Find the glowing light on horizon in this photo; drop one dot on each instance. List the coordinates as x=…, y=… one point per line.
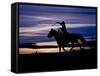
x=46, y=50
x=54, y=43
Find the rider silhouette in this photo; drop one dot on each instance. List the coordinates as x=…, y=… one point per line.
x=64, y=31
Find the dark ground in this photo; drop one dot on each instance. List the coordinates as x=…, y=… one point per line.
x=84, y=59
x=38, y=62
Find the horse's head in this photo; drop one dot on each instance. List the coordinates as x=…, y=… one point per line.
x=51, y=33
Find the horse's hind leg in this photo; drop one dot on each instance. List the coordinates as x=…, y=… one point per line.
x=79, y=46
x=72, y=47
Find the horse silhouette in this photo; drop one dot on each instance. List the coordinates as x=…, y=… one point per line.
x=62, y=40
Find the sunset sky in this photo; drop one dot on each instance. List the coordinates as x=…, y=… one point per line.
x=35, y=22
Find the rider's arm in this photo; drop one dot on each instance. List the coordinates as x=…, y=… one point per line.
x=58, y=22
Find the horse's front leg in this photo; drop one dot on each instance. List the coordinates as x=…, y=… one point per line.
x=59, y=49
x=64, y=48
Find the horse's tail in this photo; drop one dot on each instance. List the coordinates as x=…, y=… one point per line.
x=82, y=38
